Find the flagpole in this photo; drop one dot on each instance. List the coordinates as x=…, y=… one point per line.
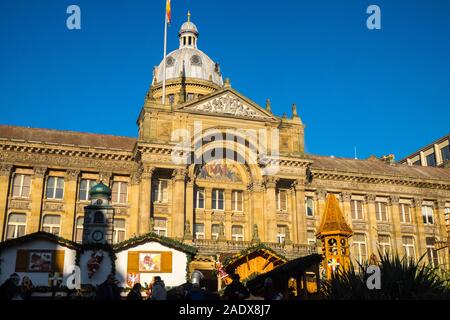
x=164, y=61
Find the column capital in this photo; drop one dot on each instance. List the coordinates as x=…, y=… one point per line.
x=346, y=196
x=440, y=204
x=72, y=174
x=145, y=172
x=256, y=186
x=394, y=200
x=105, y=177
x=179, y=174
x=39, y=172
x=370, y=198
x=417, y=202
x=270, y=181
x=5, y=169
x=299, y=184
x=321, y=194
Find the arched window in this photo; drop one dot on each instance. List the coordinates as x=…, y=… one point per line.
x=17, y=223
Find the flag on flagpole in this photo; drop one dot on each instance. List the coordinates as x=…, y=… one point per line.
x=168, y=12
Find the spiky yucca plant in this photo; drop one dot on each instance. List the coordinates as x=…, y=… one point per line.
x=401, y=279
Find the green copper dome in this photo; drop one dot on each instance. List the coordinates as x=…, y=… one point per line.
x=100, y=189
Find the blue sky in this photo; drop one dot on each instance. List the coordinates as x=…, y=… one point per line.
x=383, y=91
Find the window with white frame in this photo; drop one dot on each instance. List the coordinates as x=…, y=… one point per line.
x=199, y=231
x=360, y=247
x=237, y=233
x=282, y=200
x=55, y=188
x=432, y=253
x=357, y=210
x=21, y=185
x=17, y=223
x=218, y=196
x=281, y=234
x=427, y=214
x=384, y=243
x=161, y=191
x=160, y=226
x=119, y=192
x=119, y=230
x=79, y=229
x=405, y=213
x=237, y=198
x=447, y=217
x=51, y=224
x=215, y=231
x=311, y=237
x=381, y=211
x=85, y=186
x=309, y=204
x=408, y=247
x=200, y=199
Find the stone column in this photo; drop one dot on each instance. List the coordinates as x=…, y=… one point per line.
x=133, y=198
x=420, y=239
x=256, y=194
x=190, y=206
x=347, y=205
x=299, y=212
x=70, y=199
x=442, y=230
x=396, y=242
x=371, y=217
x=178, y=202
x=145, y=198
x=37, y=195
x=5, y=178
x=438, y=155
x=271, y=209
x=321, y=196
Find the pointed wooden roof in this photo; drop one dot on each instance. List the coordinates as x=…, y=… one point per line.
x=333, y=221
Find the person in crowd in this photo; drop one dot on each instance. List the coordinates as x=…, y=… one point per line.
x=135, y=293
x=196, y=293
x=108, y=290
x=236, y=290
x=26, y=288
x=159, y=291
x=10, y=289
x=270, y=293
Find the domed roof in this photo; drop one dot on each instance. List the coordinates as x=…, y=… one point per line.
x=188, y=61
x=100, y=189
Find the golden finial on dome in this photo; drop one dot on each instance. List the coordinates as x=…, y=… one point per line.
x=189, y=16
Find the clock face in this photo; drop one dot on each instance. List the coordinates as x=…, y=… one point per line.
x=99, y=202
x=97, y=235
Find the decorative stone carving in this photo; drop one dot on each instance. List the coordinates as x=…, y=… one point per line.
x=229, y=104
x=255, y=235
x=321, y=194
x=121, y=211
x=299, y=184
x=187, y=231
x=394, y=200
x=255, y=187
x=54, y=207
x=440, y=204
x=407, y=228
x=105, y=177
x=359, y=225
x=39, y=172
x=20, y=205
x=72, y=175
x=270, y=181
x=217, y=216
x=147, y=172
x=370, y=198
x=417, y=202
x=5, y=169
x=287, y=237
x=221, y=232
x=383, y=227
x=346, y=196
x=179, y=174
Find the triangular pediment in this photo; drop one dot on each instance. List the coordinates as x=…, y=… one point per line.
x=228, y=103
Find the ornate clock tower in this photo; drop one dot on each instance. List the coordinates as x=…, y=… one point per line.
x=99, y=216
x=334, y=233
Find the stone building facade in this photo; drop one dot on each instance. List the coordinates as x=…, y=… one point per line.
x=264, y=188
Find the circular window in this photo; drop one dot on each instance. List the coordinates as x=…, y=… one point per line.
x=170, y=61
x=196, y=60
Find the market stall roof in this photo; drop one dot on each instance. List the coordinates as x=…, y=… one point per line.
x=39, y=236
x=232, y=260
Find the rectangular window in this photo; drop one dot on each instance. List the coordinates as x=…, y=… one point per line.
x=418, y=163
x=360, y=247
x=161, y=191
x=55, y=188
x=215, y=231
x=311, y=237
x=431, y=160
x=160, y=227
x=384, y=243
x=408, y=247
x=119, y=230
x=79, y=230
x=237, y=233
x=85, y=186
x=200, y=198
x=237, y=200
x=51, y=224
x=282, y=200
x=357, y=210
x=405, y=213
x=120, y=192
x=381, y=211
x=17, y=223
x=309, y=204
x=447, y=217
x=21, y=185
x=218, y=199
x=199, y=231
x=432, y=253
x=427, y=214
x=445, y=151
x=281, y=235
